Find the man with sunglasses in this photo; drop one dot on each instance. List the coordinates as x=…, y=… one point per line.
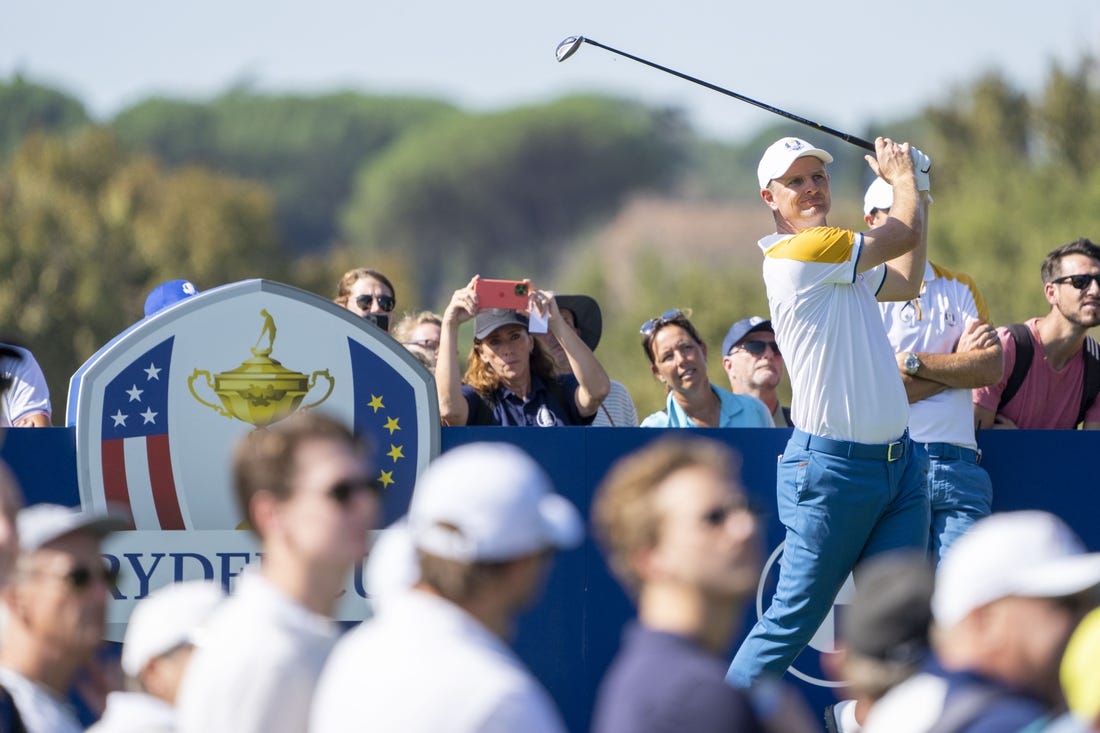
x=367, y=293
x=850, y=482
x=945, y=347
x=754, y=365
x=303, y=486
x=680, y=536
x=55, y=609
x=1055, y=389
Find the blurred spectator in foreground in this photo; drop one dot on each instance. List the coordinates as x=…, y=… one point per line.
x=884, y=636
x=54, y=614
x=1051, y=365
x=419, y=333
x=367, y=293
x=754, y=365
x=679, y=535
x=24, y=394
x=160, y=637
x=484, y=521
x=678, y=359
x=582, y=314
x=509, y=378
x=304, y=486
x=168, y=293
x=11, y=501
x=1007, y=598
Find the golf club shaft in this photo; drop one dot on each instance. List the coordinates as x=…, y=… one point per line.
x=775, y=110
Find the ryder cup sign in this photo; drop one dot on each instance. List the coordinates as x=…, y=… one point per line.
x=158, y=410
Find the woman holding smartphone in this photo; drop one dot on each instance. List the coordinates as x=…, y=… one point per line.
x=509, y=379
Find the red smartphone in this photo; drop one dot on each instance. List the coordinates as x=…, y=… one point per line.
x=510, y=294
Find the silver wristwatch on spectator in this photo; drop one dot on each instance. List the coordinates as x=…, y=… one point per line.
x=912, y=364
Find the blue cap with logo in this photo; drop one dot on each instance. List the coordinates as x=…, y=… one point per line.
x=743, y=328
x=168, y=293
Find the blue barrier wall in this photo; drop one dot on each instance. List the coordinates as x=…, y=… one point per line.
x=571, y=636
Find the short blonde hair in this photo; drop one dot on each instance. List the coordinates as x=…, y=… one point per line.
x=403, y=329
x=624, y=510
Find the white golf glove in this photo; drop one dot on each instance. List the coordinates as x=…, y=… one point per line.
x=922, y=164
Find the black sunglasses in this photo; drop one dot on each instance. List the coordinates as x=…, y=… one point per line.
x=717, y=516
x=430, y=344
x=757, y=348
x=653, y=324
x=385, y=302
x=342, y=491
x=81, y=577
x=1081, y=282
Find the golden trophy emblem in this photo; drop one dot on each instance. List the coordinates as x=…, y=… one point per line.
x=260, y=391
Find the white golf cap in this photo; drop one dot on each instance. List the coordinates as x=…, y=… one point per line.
x=489, y=502
x=1030, y=553
x=167, y=618
x=880, y=195
x=782, y=153
x=40, y=524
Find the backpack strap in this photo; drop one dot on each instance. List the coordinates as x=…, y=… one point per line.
x=1091, y=377
x=1025, y=350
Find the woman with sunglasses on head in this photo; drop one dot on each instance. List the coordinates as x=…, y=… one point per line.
x=509, y=379
x=367, y=293
x=678, y=359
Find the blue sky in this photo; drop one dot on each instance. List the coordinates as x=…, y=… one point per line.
x=843, y=63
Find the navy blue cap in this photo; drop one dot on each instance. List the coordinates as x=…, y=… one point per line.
x=743, y=328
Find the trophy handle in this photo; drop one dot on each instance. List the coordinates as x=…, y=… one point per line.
x=191, y=386
x=313, y=380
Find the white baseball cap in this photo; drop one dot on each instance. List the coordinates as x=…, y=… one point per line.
x=782, y=153
x=167, y=618
x=880, y=195
x=1030, y=553
x=489, y=502
x=40, y=524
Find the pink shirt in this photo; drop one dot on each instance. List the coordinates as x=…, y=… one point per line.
x=1048, y=398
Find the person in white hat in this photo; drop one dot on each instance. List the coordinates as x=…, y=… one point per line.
x=1006, y=600
x=305, y=486
x=55, y=609
x=160, y=637
x=484, y=521
x=945, y=347
x=849, y=484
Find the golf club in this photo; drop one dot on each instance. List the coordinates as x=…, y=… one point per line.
x=569, y=46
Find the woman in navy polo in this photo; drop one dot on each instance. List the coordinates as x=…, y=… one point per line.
x=509, y=379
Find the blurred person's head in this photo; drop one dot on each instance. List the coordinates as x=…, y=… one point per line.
x=303, y=484
x=884, y=636
x=751, y=358
x=367, y=293
x=877, y=202
x=56, y=602
x=675, y=524
x=504, y=353
x=419, y=333
x=162, y=633
x=168, y=293
x=677, y=353
x=1008, y=596
x=484, y=521
x=582, y=314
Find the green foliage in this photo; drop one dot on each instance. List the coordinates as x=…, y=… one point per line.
x=499, y=193
x=26, y=107
x=86, y=230
x=306, y=149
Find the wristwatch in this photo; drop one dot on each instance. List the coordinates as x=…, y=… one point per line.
x=912, y=364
